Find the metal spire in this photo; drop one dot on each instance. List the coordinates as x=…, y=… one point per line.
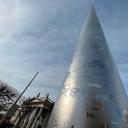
x=93, y=95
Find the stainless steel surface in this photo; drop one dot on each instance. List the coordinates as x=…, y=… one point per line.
x=93, y=95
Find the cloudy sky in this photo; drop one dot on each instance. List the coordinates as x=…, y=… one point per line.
x=40, y=35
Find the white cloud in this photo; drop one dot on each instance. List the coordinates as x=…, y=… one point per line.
x=41, y=36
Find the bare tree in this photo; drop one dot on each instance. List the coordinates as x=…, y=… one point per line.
x=7, y=95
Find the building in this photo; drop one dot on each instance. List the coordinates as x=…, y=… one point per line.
x=33, y=113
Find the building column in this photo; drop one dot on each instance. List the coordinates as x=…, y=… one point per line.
x=31, y=118
x=15, y=117
x=25, y=121
x=35, y=121
x=44, y=123
x=18, y=119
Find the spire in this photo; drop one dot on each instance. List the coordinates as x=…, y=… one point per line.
x=93, y=93
x=93, y=12
x=93, y=9
x=92, y=17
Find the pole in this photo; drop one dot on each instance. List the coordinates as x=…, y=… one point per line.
x=26, y=88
